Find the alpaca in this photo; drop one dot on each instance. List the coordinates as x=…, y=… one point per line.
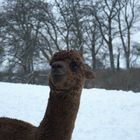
x=66, y=80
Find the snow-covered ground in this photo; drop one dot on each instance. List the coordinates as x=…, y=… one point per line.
x=103, y=114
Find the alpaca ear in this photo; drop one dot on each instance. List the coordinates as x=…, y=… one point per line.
x=88, y=72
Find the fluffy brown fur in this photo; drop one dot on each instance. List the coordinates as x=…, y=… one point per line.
x=66, y=80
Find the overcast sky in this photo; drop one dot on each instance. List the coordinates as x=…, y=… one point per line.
x=135, y=37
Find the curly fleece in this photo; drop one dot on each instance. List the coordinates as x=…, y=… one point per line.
x=67, y=54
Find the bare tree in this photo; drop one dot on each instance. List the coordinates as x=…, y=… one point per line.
x=22, y=32
x=128, y=14
x=105, y=13
x=92, y=36
x=135, y=54
x=33, y=30
x=2, y=22
x=70, y=23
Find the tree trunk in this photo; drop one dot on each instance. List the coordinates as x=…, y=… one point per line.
x=93, y=53
x=111, y=56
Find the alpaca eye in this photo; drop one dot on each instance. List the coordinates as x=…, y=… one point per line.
x=74, y=66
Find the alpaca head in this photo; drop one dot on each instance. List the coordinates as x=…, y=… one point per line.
x=68, y=71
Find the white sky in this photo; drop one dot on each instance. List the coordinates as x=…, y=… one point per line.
x=135, y=36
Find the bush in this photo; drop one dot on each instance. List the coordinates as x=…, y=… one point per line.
x=120, y=80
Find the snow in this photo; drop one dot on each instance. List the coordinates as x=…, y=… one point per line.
x=103, y=114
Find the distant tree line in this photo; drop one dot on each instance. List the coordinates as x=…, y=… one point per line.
x=101, y=30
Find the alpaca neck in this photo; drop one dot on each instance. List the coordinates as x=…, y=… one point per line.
x=59, y=119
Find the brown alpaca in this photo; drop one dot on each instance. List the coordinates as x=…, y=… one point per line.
x=67, y=76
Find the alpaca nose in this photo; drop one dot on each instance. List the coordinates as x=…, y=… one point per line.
x=58, y=67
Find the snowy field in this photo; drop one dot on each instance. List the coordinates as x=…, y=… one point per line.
x=103, y=114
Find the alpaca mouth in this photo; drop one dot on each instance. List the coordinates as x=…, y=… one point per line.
x=58, y=76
